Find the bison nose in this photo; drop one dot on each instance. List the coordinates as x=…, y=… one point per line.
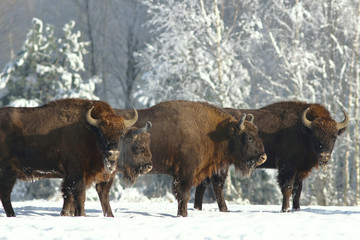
x=146, y=168
x=114, y=155
x=324, y=157
x=262, y=159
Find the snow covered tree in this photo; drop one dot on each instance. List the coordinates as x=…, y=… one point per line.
x=46, y=68
x=195, y=54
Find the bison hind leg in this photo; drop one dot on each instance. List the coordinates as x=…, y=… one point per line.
x=199, y=193
x=8, y=178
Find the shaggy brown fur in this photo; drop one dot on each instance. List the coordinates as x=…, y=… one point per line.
x=56, y=141
x=291, y=147
x=192, y=140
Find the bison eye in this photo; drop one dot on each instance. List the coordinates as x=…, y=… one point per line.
x=137, y=149
x=248, y=138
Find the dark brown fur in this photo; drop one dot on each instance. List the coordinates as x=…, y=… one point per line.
x=135, y=150
x=192, y=140
x=291, y=147
x=56, y=141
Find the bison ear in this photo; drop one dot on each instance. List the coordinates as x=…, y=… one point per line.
x=341, y=131
x=232, y=130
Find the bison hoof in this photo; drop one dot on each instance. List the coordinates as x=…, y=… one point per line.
x=224, y=210
x=65, y=213
x=286, y=210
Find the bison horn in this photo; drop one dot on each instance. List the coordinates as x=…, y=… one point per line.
x=241, y=123
x=251, y=118
x=307, y=123
x=92, y=121
x=131, y=122
x=344, y=123
x=143, y=129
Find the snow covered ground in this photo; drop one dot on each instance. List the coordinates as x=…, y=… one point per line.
x=156, y=219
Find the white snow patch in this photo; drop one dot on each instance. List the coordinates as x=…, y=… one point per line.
x=157, y=220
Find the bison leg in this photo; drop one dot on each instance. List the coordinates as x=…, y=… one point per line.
x=218, y=185
x=68, y=208
x=7, y=182
x=199, y=193
x=79, y=199
x=286, y=182
x=182, y=194
x=296, y=194
x=74, y=197
x=103, y=190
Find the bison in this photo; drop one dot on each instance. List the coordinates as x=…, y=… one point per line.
x=297, y=136
x=136, y=148
x=74, y=139
x=191, y=141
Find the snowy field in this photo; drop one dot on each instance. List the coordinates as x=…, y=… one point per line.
x=156, y=219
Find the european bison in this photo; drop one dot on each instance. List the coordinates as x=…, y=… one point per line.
x=297, y=136
x=77, y=140
x=136, y=148
x=191, y=141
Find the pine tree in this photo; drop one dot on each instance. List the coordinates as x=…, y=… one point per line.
x=46, y=68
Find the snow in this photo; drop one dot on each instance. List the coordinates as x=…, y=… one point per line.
x=156, y=219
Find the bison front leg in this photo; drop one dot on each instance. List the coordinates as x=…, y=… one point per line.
x=68, y=208
x=218, y=182
x=199, y=193
x=286, y=182
x=296, y=193
x=7, y=180
x=103, y=190
x=74, y=197
x=181, y=190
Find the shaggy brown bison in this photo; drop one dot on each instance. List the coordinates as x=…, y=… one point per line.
x=191, y=141
x=136, y=148
x=77, y=140
x=297, y=136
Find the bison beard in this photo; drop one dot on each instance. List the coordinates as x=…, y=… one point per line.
x=67, y=139
x=297, y=136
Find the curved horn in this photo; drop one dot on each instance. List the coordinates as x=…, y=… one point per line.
x=92, y=121
x=241, y=123
x=143, y=129
x=307, y=123
x=251, y=118
x=131, y=122
x=344, y=123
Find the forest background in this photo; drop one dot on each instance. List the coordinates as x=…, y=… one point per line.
x=232, y=53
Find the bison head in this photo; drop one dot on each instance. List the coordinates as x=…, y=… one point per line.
x=136, y=156
x=246, y=146
x=323, y=134
x=111, y=130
